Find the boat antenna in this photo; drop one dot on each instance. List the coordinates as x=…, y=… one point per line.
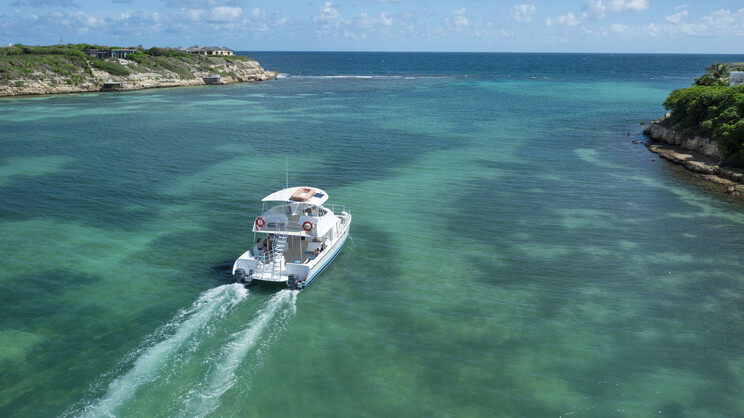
x=286, y=173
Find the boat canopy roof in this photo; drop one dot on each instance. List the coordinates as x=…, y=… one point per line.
x=303, y=194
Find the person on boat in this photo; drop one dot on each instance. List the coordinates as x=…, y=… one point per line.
x=314, y=255
x=260, y=245
x=265, y=244
x=308, y=211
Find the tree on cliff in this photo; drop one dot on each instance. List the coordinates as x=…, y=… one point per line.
x=717, y=75
x=713, y=111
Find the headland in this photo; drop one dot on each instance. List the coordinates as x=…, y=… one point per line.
x=76, y=68
x=704, y=132
x=697, y=154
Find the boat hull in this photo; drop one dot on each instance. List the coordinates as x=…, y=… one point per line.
x=325, y=261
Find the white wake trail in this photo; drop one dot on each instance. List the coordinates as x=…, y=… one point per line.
x=214, y=303
x=205, y=398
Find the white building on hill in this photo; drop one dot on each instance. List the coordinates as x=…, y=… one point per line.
x=736, y=78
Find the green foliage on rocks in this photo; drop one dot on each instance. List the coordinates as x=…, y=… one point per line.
x=153, y=59
x=717, y=75
x=234, y=58
x=110, y=67
x=19, y=61
x=711, y=111
x=137, y=56
x=23, y=66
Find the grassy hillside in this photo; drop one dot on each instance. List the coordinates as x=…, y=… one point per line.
x=20, y=62
x=710, y=108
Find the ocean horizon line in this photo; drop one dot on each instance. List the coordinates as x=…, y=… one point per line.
x=488, y=52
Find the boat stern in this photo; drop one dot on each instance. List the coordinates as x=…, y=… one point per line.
x=244, y=268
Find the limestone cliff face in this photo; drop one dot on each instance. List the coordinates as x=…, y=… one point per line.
x=140, y=77
x=698, y=154
x=705, y=146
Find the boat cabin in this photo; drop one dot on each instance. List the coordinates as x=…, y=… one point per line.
x=302, y=218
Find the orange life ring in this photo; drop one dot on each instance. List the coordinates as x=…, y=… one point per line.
x=260, y=222
x=307, y=226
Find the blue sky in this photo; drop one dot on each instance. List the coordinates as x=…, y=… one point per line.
x=659, y=26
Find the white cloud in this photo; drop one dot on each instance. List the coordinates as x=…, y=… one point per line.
x=677, y=17
x=627, y=5
x=386, y=19
x=328, y=14
x=643, y=31
x=524, y=12
x=201, y=4
x=191, y=15
x=690, y=29
x=365, y=21
x=458, y=18
x=57, y=14
x=594, y=10
x=724, y=18
x=88, y=20
x=226, y=14
x=47, y=3
x=568, y=19
x=718, y=23
x=257, y=14
x=618, y=28
x=280, y=21
x=652, y=30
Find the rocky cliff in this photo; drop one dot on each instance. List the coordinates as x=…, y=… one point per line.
x=705, y=146
x=166, y=72
x=696, y=154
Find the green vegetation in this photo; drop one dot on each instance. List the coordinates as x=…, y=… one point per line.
x=181, y=63
x=235, y=58
x=717, y=75
x=110, y=67
x=20, y=63
x=712, y=109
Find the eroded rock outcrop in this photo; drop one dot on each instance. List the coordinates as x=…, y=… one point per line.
x=140, y=77
x=705, y=146
x=698, y=154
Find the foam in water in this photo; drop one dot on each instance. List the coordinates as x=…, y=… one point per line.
x=205, y=398
x=352, y=77
x=212, y=304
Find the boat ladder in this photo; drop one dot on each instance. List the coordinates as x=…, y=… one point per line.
x=277, y=263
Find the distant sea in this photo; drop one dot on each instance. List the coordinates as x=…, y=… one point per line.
x=513, y=252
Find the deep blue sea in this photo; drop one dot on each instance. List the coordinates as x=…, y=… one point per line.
x=513, y=252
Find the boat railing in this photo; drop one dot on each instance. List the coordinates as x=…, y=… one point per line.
x=266, y=257
x=280, y=228
x=342, y=208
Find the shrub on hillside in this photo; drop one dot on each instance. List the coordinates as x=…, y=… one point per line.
x=110, y=67
x=714, y=111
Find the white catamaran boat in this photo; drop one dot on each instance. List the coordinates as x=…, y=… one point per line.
x=294, y=240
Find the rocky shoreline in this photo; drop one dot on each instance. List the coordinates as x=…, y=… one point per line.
x=140, y=78
x=698, y=155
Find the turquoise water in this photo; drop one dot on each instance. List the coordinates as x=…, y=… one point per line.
x=513, y=253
